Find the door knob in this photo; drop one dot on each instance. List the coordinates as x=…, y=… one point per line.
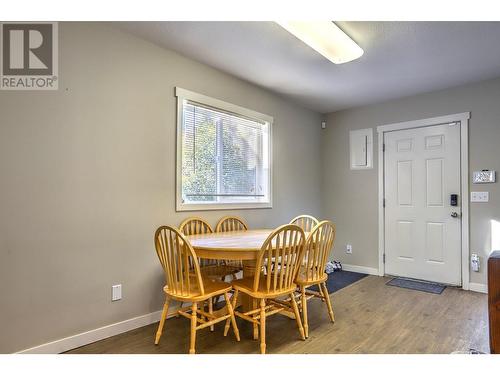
x=454, y=214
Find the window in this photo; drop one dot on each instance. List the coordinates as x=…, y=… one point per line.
x=223, y=155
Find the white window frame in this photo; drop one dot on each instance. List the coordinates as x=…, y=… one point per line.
x=186, y=95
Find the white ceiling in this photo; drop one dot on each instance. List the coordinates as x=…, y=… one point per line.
x=400, y=59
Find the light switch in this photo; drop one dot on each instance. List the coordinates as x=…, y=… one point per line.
x=116, y=292
x=479, y=196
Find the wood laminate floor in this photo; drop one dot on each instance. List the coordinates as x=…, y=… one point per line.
x=370, y=318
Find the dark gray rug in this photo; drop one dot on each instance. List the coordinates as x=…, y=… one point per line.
x=422, y=286
x=340, y=279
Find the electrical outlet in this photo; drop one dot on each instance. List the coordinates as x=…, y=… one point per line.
x=474, y=262
x=116, y=292
x=348, y=249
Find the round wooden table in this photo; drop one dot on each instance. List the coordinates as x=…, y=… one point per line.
x=238, y=245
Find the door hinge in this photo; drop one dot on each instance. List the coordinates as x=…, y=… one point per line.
x=383, y=147
x=383, y=258
x=383, y=202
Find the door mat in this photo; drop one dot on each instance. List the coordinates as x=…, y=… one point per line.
x=422, y=286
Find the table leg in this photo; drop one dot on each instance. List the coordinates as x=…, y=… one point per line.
x=243, y=300
x=248, y=271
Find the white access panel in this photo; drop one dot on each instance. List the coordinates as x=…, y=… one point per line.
x=361, y=148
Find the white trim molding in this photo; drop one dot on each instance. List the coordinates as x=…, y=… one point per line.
x=463, y=119
x=85, y=338
x=477, y=287
x=213, y=102
x=360, y=269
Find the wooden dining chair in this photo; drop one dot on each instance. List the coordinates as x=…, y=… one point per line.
x=318, y=247
x=185, y=283
x=209, y=267
x=283, y=248
x=232, y=224
x=195, y=225
x=306, y=222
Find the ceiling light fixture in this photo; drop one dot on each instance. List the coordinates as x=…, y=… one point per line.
x=326, y=38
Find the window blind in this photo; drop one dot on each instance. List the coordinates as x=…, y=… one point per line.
x=224, y=156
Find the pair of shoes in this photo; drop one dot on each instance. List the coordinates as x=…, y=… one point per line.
x=337, y=266
x=329, y=267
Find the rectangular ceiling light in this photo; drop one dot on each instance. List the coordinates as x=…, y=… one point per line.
x=326, y=38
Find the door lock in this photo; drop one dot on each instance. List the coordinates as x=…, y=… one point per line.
x=453, y=199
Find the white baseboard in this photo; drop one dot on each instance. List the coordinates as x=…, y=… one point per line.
x=360, y=269
x=476, y=287
x=94, y=335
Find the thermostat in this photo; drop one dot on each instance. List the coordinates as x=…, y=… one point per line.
x=483, y=177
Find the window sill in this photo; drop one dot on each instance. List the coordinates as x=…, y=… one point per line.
x=221, y=206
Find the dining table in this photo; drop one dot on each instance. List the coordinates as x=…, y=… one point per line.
x=244, y=245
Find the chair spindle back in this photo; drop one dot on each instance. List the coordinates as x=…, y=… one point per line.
x=281, y=254
x=179, y=262
x=306, y=222
x=231, y=224
x=195, y=225
x=318, y=247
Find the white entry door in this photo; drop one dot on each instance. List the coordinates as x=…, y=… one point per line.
x=422, y=228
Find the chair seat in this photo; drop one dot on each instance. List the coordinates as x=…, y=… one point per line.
x=303, y=280
x=212, y=288
x=245, y=285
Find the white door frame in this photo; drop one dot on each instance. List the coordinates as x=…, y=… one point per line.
x=463, y=119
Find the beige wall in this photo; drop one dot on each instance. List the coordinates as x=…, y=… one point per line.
x=87, y=174
x=350, y=197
